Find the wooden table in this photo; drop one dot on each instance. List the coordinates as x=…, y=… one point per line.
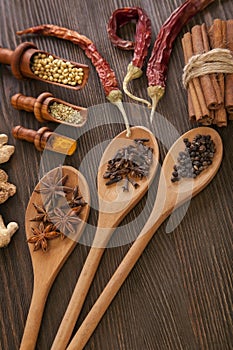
x=179, y=295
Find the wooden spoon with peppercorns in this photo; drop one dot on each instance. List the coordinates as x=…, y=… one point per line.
x=58, y=207
x=170, y=195
x=116, y=199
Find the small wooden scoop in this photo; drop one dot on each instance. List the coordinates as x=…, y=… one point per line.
x=21, y=58
x=114, y=205
x=170, y=195
x=41, y=107
x=46, y=265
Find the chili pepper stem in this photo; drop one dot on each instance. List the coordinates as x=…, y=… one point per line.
x=155, y=93
x=115, y=97
x=133, y=72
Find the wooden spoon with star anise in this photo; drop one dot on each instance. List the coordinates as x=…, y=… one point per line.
x=55, y=219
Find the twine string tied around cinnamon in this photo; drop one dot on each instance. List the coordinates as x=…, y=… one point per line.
x=214, y=61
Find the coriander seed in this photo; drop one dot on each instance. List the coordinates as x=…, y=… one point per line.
x=56, y=70
x=65, y=113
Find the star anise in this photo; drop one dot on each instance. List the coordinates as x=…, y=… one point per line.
x=42, y=214
x=76, y=199
x=65, y=220
x=53, y=186
x=41, y=235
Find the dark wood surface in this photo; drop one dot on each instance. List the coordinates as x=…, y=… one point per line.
x=179, y=295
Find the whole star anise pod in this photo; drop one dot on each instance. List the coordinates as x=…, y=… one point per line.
x=42, y=214
x=53, y=187
x=40, y=236
x=64, y=221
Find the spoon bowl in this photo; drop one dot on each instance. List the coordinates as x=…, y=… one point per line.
x=114, y=205
x=173, y=194
x=169, y=196
x=46, y=265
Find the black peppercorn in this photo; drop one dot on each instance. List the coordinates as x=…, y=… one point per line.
x=196, y=157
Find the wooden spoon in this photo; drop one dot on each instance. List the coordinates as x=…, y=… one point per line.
x=114, y=205
x=46, y=265
x=170, y=195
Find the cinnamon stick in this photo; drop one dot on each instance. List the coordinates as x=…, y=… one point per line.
x=197, y=103
x=213, y=78
x=217, y=35
x=212, y=97
x=191, y=111
x=229, y=77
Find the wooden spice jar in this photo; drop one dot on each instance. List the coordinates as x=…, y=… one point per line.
x=21, y=62
x=42, y=108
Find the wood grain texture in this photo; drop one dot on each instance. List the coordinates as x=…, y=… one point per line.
x=179, y=295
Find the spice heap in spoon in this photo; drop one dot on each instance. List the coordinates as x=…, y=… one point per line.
x=196, y=157
x=60, y=212
x=129, y=163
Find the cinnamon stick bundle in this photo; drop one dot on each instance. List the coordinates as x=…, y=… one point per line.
x=210, y=93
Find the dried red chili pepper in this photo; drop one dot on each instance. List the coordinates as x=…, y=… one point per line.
x=106, y=74
x=119, y=18
x=158, y=63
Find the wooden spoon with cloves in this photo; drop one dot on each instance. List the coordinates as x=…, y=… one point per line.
x=116, y=199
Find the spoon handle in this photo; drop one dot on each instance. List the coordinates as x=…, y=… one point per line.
x=32, y=327
x=83, y=284
x=99, y=308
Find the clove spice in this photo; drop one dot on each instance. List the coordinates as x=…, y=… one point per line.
x=129, y=163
